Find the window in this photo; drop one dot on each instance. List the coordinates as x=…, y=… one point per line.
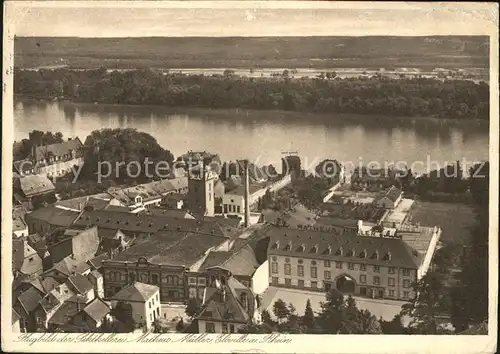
x=210, y=327
x=288, y=281
x=231, y=329
x=406, y=272
x=406, y=294
x=392, y=270
x=392, y=281
x=350, y=266
x=224, y=328
x=31, y=259
x=149, y=304
x=154, y=279
x=275, y=280
x=327, y=264
x=376, y=280
x=362, y=267
x=192, y=280
x=274, y=267
x=238, y=209
x=338, y=265
x=301, y=283
x=391, y=293
x=192, y=292
x=376, y=269
x=300, y=270
x=362, y=278
x=202, y=281
x=314, y=272
x=406, y=283
x=328, y=274
x=314, y=284
x=288, y=269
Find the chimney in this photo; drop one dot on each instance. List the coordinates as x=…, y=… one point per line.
x=247, y=197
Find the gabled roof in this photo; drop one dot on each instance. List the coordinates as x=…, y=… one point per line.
x=17, y=253
x=29, y=299
x=38, y=243
x=97, y=309
x=242, y=261
x=79, y=283
x=175, y=248
x=68, y=266
x=18, y=223
x=64, y=314
x=223, y=304
x=393, y=193
x=213, y=259
x=137, y=292
x=54, y=216
x=56, y=297
x=96, y=201
x=58, y=149
x=284, y=241
x=96, y=262
x=35, y=184
x=144, y=223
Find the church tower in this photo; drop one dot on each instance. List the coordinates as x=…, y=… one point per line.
x=201, y=197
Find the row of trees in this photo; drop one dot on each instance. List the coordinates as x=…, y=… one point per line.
x=458, y=99
x=338, y=315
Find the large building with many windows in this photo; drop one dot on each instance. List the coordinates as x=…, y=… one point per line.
x=375, y=267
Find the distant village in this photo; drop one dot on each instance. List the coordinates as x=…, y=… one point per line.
x=205, y=252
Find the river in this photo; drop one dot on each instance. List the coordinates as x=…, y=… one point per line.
x=262, y=136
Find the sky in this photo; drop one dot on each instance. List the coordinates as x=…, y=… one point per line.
x=238, y=18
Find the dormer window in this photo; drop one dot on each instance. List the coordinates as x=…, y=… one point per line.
x=375, y=255
x=328, y=250
x=387, y=256
x=351, y=253
x=302, y=248
x=314, y=249
x=288, y=246
x=339, y=252
x=276, y=245
x=362, y=254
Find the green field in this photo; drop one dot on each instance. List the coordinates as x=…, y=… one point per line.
x=258, y=52
x=455, y=219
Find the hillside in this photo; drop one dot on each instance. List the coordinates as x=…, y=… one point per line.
x=268, y=52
